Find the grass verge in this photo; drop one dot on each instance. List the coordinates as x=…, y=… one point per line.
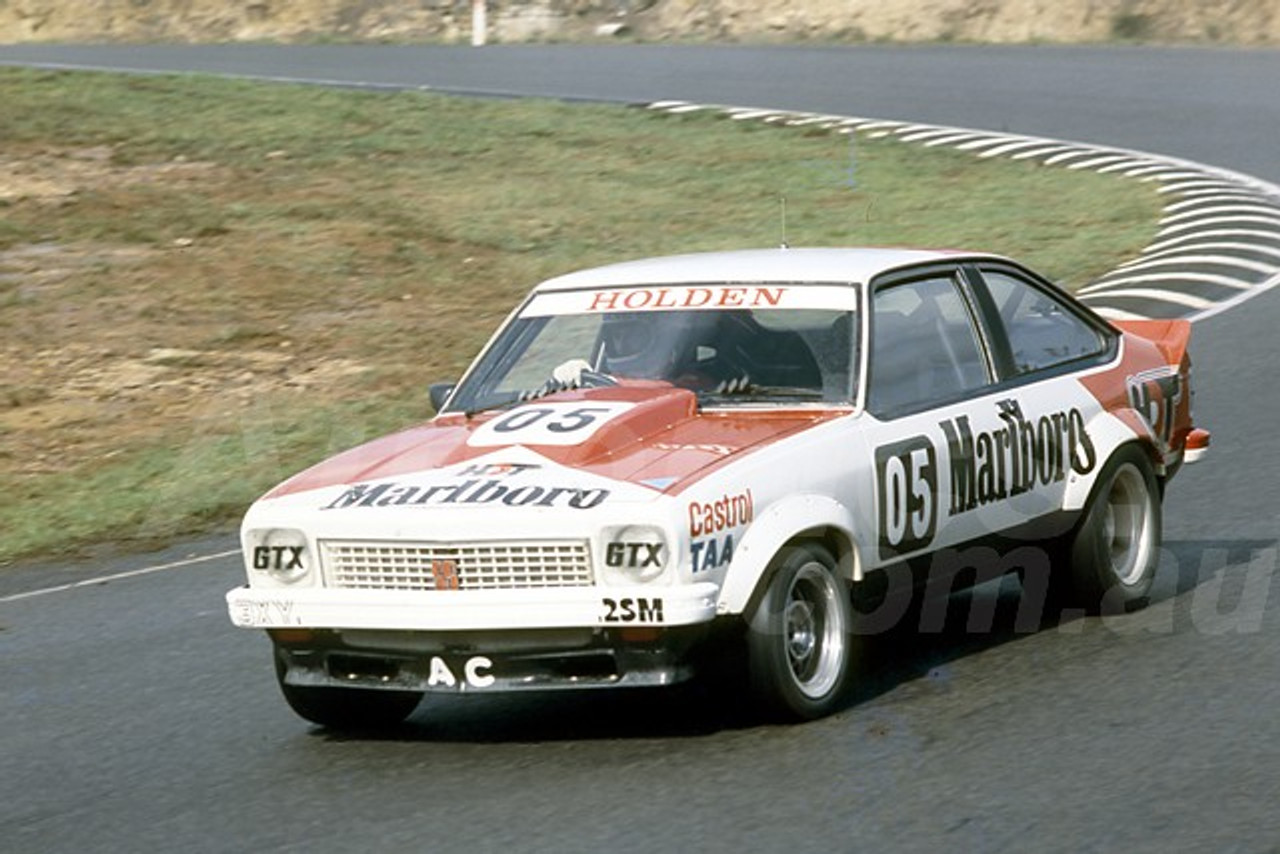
x=206, y=284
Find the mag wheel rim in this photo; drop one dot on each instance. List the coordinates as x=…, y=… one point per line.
x=813, y=631
x=1126, y=525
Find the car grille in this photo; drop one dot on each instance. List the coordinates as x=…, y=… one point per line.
x=456, y=566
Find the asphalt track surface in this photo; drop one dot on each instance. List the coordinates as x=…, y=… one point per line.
x=133, y=717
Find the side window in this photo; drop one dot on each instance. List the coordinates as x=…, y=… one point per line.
x=1042, y=332
x=923, y=346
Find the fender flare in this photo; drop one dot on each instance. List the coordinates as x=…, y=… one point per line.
x=782, y=522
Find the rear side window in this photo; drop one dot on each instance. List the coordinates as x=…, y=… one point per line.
x=1042, y=332
x=925, y=349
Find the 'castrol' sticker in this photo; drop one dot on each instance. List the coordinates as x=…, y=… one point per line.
x=552, y=423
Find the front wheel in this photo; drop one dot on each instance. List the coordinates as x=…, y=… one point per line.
x=1116, y=548
x=799, y=643
x=347, y=708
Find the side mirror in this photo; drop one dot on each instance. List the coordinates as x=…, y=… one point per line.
x=439, y=394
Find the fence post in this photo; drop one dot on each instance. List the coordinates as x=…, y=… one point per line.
x=479, y=23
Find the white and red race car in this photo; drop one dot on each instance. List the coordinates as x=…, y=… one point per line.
x=652, y=454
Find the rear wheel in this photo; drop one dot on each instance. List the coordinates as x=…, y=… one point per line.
x=347, y=708
x=1116, y=547
x=799, y=643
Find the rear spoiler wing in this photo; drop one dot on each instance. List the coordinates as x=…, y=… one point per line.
x=1169, y=336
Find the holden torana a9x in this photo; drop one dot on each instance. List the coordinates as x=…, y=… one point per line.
x=650, y=455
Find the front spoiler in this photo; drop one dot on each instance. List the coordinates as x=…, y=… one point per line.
x=476, y=610
x=602, y=664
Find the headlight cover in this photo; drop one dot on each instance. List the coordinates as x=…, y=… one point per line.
x=635, y=554
x=281, y=554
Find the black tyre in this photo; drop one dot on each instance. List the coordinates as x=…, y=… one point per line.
x=347, y=708
x=1115, y=549
x=800, y=642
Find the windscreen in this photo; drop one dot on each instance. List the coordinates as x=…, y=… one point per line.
x=731, y=344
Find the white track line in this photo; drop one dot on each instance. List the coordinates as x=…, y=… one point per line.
x=1179, y=251
x=1159, y=295
x=1207, y=210
x=132, y=573
x=1190, y=241
x=1226, y=305
x=1109, y=287
x=1183, y=259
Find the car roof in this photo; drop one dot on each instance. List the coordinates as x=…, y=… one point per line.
x=842, y=266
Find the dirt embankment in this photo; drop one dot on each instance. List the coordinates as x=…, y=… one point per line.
x=1245, y=22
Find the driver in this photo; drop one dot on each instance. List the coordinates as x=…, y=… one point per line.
x=678, y=347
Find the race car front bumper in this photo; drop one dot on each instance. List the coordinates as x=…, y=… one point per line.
x=487, y=610
x=483, y=640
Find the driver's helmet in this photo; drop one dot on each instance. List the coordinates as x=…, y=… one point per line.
x=652, y=344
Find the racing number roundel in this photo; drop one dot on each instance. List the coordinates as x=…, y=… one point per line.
x=906, y=490
x=548, y=423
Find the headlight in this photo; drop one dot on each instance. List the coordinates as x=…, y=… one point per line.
x=635, y=554
x=279, y=553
